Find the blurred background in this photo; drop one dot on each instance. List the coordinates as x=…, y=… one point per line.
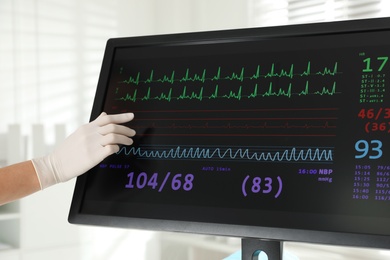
x=50, y=58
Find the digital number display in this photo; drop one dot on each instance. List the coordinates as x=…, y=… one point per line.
x=288, y=132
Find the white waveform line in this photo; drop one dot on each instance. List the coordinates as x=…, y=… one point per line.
x=284, y=155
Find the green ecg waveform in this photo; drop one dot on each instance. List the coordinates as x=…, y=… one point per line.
x=237, y=76
x=238, y=94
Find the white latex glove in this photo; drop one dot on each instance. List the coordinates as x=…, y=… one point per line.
x=85, y=148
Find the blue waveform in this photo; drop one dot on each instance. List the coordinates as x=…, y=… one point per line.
x=259, y=154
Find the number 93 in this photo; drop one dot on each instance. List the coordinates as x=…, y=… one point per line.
x=363, y=148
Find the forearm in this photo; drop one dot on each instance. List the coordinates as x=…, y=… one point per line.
x=17, y=181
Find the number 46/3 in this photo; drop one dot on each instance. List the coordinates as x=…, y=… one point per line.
x=372, y=149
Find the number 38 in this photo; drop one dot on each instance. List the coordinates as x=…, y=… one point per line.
x=363, y=148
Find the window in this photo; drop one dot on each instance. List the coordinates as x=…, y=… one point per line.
x=51, y=53
x=278, y=12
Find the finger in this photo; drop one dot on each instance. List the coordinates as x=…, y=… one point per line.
x=116, y=129
x=105, y=119
x=110, y=149
x=114, y=139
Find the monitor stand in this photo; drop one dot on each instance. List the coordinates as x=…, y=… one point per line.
x=258, y=249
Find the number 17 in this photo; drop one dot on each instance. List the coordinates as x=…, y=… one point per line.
x=368, y=68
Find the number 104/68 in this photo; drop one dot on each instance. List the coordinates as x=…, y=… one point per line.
x=160, y=182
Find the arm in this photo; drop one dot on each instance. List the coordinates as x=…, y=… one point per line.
x=17, y=181
x=82, y=150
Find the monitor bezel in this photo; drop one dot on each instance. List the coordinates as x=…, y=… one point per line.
x=242, y=231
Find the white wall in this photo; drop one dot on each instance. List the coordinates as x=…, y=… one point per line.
x=51, y=50
x=173, y=16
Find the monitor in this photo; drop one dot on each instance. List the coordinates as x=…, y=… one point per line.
x=279, y=133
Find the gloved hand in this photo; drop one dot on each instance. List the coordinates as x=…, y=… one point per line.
x=84, y=149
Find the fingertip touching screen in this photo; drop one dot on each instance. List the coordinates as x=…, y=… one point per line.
x=279, y=133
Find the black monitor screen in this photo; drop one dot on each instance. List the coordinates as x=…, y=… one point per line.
x=255, y=132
